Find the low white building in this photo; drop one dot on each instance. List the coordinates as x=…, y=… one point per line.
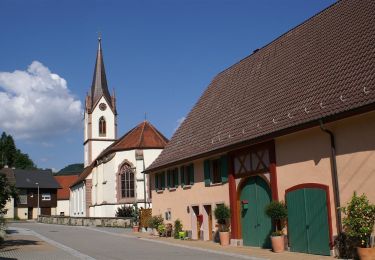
x=63, y=194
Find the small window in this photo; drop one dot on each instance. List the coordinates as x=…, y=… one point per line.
x=215, y=172
x=102, y=127
x=23, y=199
x=187, y=174
x=172, y=178
x=46, y=196
x=168, y=214
x=159, y=181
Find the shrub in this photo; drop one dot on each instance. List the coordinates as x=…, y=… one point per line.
x=359, y=220
x=161, y=230
x=155, y=221
x=346, y=246
x=222, y=215
x=177, y=228
x=125, y=212
x=277, y=211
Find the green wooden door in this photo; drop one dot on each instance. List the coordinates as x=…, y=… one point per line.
x=256, y=226
x=308, y=221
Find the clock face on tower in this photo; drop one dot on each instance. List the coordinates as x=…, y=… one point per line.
x=102, y=106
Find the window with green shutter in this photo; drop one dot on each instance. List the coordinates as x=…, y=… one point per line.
x=216, y=170
x=162, y=180
x=172, y=178
x=187, y=174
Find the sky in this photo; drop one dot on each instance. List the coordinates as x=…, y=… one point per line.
x=159, y=56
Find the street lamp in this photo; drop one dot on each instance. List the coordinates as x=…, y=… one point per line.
x=38, y=200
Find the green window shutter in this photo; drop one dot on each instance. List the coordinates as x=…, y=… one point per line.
x=156, y=181
x=168, y=179
x=224, y=168
x=175, y=177
x=182, y=176
x=191, y=173
x=207, y=177
x=162, y=176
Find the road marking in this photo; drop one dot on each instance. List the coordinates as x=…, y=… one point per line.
x=70, y=250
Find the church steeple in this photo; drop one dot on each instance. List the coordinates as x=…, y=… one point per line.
x=99, y=85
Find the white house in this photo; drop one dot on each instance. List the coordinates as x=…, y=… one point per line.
x=113, y=167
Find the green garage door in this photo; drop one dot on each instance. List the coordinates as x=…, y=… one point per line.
x=256, y=225
x=308, y=221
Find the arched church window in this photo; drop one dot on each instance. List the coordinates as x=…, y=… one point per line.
x=102, y=126
x=127, y=181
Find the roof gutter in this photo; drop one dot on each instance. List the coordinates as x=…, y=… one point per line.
x=335, y=180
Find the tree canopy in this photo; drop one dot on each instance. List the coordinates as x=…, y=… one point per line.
x=6, y=192
x=11, y=156
x=71, y=168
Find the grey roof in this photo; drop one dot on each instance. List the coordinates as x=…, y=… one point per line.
x=8, y=172
x=99, y=85
x=29, y=178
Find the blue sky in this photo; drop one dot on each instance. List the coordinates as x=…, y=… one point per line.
x=159, y=57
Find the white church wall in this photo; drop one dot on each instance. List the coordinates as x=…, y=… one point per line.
x=63, y=207
x=78, y=193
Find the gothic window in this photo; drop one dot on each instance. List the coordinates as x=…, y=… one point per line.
x=102, y=126
x=127, y=181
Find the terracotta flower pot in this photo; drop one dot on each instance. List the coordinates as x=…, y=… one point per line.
x=366, y=253
x=155, y=232
x=224, y=238
x=277, y=244
x=135, y=228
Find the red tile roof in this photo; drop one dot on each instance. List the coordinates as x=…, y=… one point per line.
x=321, y=69
x=65, y=182
x=143, y=136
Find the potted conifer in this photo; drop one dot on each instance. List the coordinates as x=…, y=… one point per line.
x=222, y=215
x=277, y=211
x=359, y=224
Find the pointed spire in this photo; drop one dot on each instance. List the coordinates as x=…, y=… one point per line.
x=99, y=85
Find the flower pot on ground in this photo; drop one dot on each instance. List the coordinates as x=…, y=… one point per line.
x=277, y=211
x=161, y=230
x=277, y=241
x=222, y=215
x=135, y=228
x=359, y=223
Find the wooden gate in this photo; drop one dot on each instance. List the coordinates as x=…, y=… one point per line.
x=144, y=217
x=308, y=228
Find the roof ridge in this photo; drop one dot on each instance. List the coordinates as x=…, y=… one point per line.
x=142, y=131
x=162, y=137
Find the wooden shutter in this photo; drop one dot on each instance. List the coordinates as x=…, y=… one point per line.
x=175, y=177
x=182, y=176
x=224, y=168
x=162, y=176
x=207, y=174
x=168, y=179
x=156, y=181
x=191, y=173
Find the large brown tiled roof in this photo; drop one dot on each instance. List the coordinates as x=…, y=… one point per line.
x=322, y=68
x=143, y=136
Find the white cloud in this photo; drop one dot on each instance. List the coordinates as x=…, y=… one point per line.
x=35, y=104
x=179, y=122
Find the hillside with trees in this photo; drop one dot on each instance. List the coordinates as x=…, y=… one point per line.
x=11, y=156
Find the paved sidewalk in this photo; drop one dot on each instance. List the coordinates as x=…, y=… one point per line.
x=24, y=244
x=246, y=251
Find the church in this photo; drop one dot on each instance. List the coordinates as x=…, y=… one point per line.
x=113, y=174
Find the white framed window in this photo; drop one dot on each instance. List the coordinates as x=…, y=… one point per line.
x=46, y=196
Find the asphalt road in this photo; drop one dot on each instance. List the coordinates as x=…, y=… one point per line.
x=94, y=243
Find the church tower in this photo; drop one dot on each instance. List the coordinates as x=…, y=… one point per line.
x=100, y=128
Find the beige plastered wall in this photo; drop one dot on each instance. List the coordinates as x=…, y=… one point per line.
x=304, y=157
x=181, y=200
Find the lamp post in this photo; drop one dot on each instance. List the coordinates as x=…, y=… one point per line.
x=38, y=200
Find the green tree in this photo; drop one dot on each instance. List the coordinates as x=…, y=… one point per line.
x=11, y=156
x=6, y=192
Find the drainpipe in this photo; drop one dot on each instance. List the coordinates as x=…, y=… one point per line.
x=334, y=176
